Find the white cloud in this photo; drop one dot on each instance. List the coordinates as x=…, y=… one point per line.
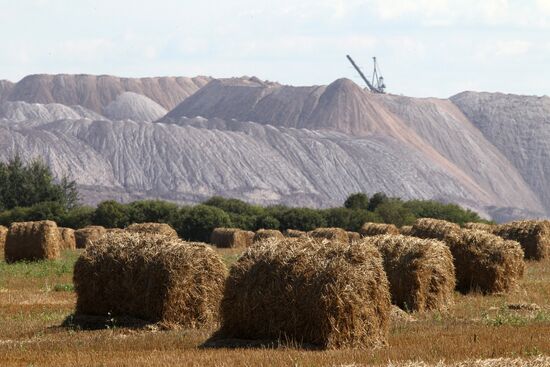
x=512, y=48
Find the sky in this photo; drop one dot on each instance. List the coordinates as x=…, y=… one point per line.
x=424, y=47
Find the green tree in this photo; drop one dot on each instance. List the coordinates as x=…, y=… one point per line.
x=394, y=212
x=78, y=217
x=152, y=211
x=357, y=201
x=199, y=222
x=376, y=200
x=267, y=222
x=111, y=214
x=234, y=206
x=437, y=210
x=304, y=219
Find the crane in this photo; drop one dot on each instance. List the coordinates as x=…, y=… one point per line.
x=377, y=84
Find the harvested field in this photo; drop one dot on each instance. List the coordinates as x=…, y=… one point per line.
x=333, y=234
x=88, y=234
x=420, y=271
x=153, y=228
x=375, y=229
x=433, y=228
x=533, y=236
x=68, y=240
x=264, y=234
x=289, y=290
x=31, y=241
x=485, y=262
x=36, y=297
x=150, y=277
x=230, y=238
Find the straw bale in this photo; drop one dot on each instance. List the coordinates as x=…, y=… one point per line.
x=30, y=241
x=532, y=235
x=354, y=236
x=230, y=238
x=406, y=230
x=328, y=294
x=485, y=262
x=150, y=277
x=333, y=234
x=294, y=233
x=264, y=234
x=375, y=229
x=480, y=226
x=420, y=271
x=3, y=234
x=68, y=240
x=88, y=234
x=433, y=228
x=153, y=228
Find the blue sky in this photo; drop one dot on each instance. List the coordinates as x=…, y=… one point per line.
x=424, y=47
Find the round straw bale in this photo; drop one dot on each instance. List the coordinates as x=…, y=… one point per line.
x=354, y=236
x=150, y=277
x=433, y=228
x=264, y=234
x=68, y=241
x=153, y=228
x=532, y=235
x=406, y=230
x=329, y=294
x=375, y=229
x=31, y=241
x=480, y=226
x=230, y=238
x=85, y=235
x=420, y=271
x=3, y=234
x=294, y=233
x=114, y=230
x=333, y=234
x=485, y=262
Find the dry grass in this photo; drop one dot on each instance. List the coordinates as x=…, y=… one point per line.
x=265, y=234
x=480, y=226
x=375, y=229
x=88, y=234
x=231, y=237
x=153, y=228
x=477, y=327
x=68, y=240
x=333, y=234
x=294, y=233
x=30, y=241
x=433, y=228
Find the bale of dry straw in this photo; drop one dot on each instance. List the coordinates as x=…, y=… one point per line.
x=31, y=241
x=153, y=228
x=333, y=234
x=88, y=234
x=230, y=238
x=420, y=271
x=264, y=234
x=406, y=230
x=533, y=236
x=294, y=233
x=300, y=290
x=375, y=229
x=150, y=277
x=485, y=262
x=354, y=236
x=433, y=228
x=480, y=226
x=68, y=240
x=3, y=234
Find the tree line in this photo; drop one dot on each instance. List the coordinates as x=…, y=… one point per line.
x=29, y=193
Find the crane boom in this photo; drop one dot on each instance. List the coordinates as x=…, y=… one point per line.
x=369, y=84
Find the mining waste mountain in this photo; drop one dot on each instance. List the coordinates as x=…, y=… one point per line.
x=186, y=139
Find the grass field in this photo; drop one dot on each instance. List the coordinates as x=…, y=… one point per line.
x=36, y=298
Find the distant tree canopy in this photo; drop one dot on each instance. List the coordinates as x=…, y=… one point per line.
x=27, y=192
x=25, y=185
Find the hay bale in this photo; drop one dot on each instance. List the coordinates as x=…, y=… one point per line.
x=153, y=228
x=114, y=230
x=375, y=229
x=333, y=234
x=230, y=238
x=420, y=271
x=480, y=226
x=88, y=234
x=264, y=234
x=485, y=262
x=406, y=230
x=433, y=228
x=68, y=240
x=32, y=241
x=354, y=236
x=294, y=233
x=300, y=290
x=3, y=234
x=150, y=277
x=532, y=235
